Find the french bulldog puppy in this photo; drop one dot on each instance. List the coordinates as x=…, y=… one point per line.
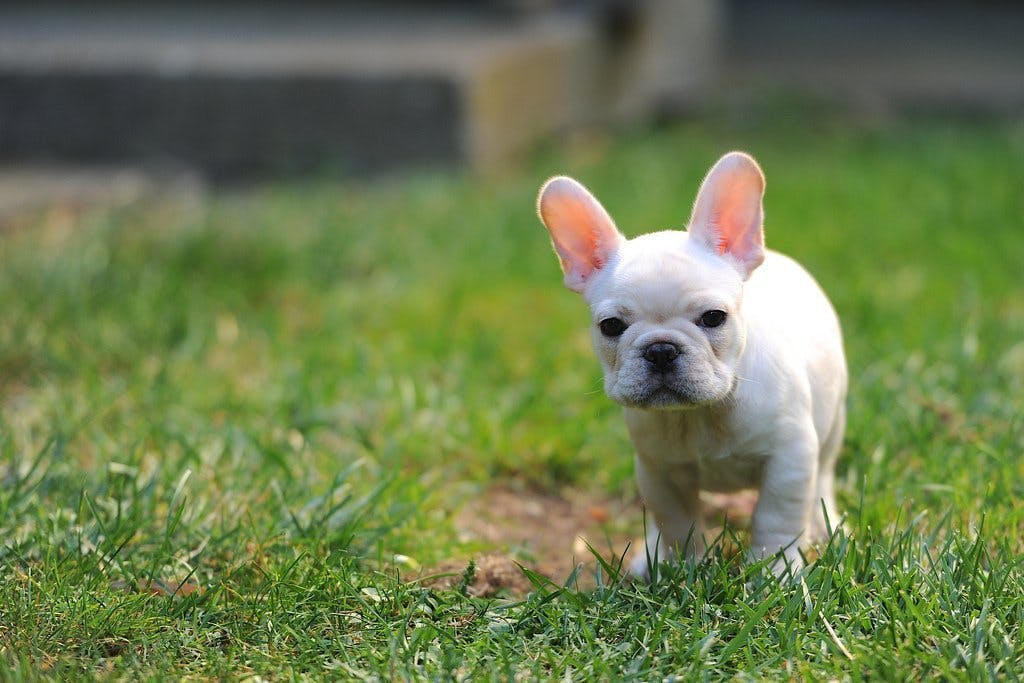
x=727, y=358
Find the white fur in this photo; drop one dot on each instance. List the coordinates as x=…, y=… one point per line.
x=758, y=402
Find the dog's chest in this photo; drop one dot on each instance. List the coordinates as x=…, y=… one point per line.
x=724, y=462
x=731, y=472
x=678, y=442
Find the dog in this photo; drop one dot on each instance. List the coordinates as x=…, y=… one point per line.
x=727, y=358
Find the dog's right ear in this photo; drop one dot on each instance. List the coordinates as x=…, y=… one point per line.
x=582, y=232
x=727, y=216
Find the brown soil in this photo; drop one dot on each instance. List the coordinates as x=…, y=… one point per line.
x=549, y=533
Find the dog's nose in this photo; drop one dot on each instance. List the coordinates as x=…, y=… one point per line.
x=661, y=355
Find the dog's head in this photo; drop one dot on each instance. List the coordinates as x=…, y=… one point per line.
x=666, y=307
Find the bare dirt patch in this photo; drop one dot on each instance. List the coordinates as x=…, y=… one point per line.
x=553, y=533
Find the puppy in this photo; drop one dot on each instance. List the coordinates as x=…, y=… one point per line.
x=727, y=358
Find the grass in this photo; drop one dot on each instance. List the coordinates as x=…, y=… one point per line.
x=227, y=425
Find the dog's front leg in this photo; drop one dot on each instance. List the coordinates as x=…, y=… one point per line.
x=672, y=497
x=784, y=506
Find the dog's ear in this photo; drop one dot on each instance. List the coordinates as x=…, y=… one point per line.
x=727, y=215
x=582, y=232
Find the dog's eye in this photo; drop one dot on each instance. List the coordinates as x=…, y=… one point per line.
x=712, y=318
x=612, y=327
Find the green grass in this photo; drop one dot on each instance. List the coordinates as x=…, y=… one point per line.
x=271, y=394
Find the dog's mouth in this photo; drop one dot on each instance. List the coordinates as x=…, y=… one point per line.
x=665, y=397
x=659, y=395
x=667, y=393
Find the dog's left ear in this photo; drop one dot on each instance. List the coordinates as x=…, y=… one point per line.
x=727, y=215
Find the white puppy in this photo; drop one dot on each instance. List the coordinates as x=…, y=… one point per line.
x=728, y=359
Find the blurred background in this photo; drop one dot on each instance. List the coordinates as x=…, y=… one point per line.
x=104, y=100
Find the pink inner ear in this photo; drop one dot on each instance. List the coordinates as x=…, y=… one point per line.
x=583, y=234
x=727, y=215
x=581, y=242
x=720, y=236
x=738, y=223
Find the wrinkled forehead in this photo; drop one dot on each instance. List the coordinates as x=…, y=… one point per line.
x=662, y=272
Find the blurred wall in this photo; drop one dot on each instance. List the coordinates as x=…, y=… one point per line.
x=238, y=89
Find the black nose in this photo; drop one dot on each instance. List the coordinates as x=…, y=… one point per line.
x=661, y=355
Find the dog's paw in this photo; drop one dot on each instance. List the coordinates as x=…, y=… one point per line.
x=640, y=567
x=785, y=565
x=822, y=530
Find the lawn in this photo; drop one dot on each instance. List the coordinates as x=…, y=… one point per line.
x=237, y=432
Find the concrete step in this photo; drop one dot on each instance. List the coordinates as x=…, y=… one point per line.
x=239, y=91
